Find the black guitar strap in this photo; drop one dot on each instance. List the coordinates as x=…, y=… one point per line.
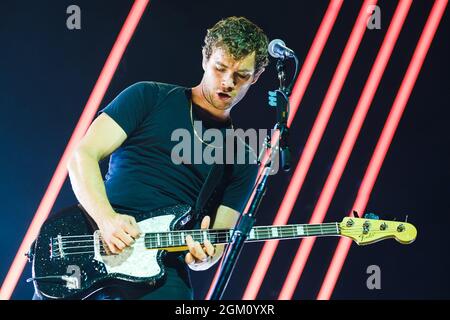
x=212, y=190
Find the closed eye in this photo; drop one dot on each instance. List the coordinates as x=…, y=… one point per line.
x=241, y=76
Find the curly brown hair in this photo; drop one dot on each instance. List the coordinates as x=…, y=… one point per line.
x=240, y=37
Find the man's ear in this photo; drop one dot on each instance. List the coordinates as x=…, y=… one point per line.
x=256, y=77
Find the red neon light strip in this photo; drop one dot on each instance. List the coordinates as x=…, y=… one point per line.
x=305, y=75
x=384, y=142
x=347, y=145
x=310, y=148
x=60, y=174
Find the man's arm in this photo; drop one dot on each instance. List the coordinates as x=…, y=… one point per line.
x=103, y=137
x=197, y=257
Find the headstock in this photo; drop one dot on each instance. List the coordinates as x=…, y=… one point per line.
x=369, y=229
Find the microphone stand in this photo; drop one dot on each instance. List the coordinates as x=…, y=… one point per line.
x=282, y=102
x=278, y=99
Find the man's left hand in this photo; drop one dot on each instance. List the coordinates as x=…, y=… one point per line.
x=202, y=257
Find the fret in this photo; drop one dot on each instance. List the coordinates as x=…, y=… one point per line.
x=269, y=232
x=265, y=232
x=167, y=239
x=284, y=232
x=147, y=240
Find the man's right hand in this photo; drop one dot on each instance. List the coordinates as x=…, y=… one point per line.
x=119, y=231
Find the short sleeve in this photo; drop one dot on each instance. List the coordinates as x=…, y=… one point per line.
x=240, y=187
x=132, y=105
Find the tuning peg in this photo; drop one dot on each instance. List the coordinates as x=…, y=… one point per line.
x=371, y=216
x=355, y=214
x=406, y=218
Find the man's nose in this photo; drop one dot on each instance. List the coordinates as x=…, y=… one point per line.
x=228, y=82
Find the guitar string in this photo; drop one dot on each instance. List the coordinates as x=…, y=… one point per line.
x=102, y=250
x=259, y=228
x=155, y=246
x=90, y=252
x=262, y=233
x=215, y=231
x=200, y=236
x=164, y=236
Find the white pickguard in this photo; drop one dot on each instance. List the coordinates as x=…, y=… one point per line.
x=136, y=261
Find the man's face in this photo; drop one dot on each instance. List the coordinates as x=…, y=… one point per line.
x=226, y=81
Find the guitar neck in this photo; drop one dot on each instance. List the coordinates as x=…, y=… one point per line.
x=171, y=239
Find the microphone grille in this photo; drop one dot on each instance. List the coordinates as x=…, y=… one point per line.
x=272, y=45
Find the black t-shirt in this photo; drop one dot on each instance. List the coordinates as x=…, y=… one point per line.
x=141, y=172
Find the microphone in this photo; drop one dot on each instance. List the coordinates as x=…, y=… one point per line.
x=277, y=49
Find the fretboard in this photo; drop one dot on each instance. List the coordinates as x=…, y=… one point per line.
x=158, y=240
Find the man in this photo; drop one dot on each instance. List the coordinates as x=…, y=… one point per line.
x=135, y=129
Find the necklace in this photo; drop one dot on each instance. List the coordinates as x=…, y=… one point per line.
x=196, y=134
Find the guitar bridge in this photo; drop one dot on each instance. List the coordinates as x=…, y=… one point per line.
x=56, y=248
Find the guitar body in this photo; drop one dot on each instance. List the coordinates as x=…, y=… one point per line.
x=69, y=261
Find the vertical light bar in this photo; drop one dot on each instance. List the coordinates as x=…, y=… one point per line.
x=311, y=146
x=305, y=74
x=60, y=174
x=384, y=141
x=345, y=150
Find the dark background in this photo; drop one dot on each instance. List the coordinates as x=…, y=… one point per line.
x=47, y=73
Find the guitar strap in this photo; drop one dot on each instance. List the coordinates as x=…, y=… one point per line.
x=212, y=191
